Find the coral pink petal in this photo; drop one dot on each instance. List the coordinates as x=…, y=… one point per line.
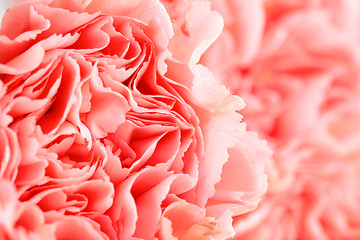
x=24, y=62
x=108, y=110
x=122, y=8
x=76, y=228
x=64, y=100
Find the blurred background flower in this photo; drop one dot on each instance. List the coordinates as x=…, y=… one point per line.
x=296, y=64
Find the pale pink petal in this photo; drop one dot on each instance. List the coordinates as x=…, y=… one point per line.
x=220, y=100
x=239, y=39
x=182, y=220
x=8, y=201
x=201, y=29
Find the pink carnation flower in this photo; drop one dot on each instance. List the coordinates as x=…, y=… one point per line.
x=285, y=67
x=108, y=125
x=296, y=66
x=313, y=191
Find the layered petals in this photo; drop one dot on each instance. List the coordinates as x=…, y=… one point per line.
x=106, y=121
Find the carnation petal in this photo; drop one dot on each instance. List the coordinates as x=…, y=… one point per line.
x=203, y=26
